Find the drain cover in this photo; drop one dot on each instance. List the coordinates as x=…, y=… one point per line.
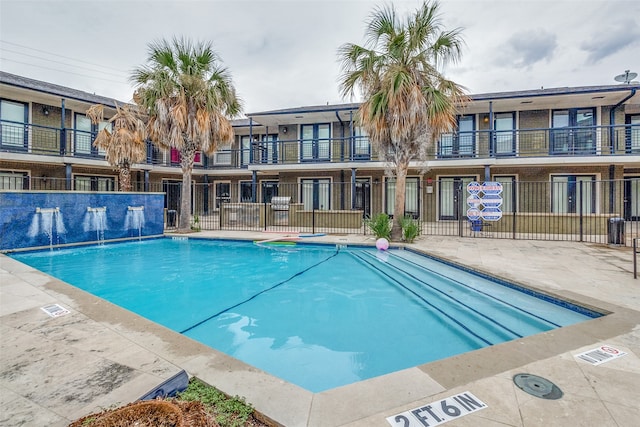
x=537, y=386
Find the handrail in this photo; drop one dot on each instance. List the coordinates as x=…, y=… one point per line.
x=593, y=141
x=635, y=257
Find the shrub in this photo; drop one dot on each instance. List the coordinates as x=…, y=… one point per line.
x=410, y=229
x=380, y=225
x=228, y=411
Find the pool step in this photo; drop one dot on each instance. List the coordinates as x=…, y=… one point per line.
x=486, y=317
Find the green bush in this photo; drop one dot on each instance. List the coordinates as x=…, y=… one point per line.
x=410, y=229
x=228, y=411
x=380, y=225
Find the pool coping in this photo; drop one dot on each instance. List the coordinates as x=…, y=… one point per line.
x=291, y=405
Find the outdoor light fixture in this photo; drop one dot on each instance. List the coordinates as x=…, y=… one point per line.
x=486, y=119
x=285, y=130
x=45, y=110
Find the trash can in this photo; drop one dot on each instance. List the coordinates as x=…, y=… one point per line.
x=616, y=231
x=476, y=225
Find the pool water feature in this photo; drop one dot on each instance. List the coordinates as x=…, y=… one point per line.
x=316, y=316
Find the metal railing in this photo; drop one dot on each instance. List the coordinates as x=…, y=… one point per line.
x=606, y=212
x=615, y=140
x=579, y=209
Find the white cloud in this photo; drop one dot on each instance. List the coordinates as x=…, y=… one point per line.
x=283, y=53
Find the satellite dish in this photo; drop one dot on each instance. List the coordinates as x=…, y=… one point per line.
x=626, y=77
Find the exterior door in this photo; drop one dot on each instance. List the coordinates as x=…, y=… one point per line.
x=362, y=199
x=450, y=190
x=83, y=135
x=269, y=149
x=315, y=142
x=505, y=141
x=223, y=193
x=632, y=198
x=462, y=143
x=245, y=150
x=573, y=131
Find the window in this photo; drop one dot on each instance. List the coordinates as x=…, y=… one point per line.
x=94, y=183
x=14, y=180
x=463, y=142
x=411, y=196
x=573, y=194
x=223, y=155
x=573, y=131
x=13, y=125
x=316, y=194
x=508, y=188
x=632, y=134
x=315, y=142
x=176, y=157
x=504, y=135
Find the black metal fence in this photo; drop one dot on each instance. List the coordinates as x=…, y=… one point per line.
x=569, y=208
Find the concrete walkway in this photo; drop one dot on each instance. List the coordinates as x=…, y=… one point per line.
x=54, y=370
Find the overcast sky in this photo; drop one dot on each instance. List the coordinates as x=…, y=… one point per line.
x=283, y=53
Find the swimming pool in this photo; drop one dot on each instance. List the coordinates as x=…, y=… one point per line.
x=317, y=316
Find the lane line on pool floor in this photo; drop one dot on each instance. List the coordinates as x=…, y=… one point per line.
x=213, y=316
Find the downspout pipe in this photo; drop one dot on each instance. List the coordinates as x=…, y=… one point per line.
x=612, y=117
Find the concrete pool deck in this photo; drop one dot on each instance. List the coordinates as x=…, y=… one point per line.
x=55, y=370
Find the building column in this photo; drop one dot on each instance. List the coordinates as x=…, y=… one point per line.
x=205, y=194
x=63, y=131
x=353, y=188
x=68, y=177
x=254, y=186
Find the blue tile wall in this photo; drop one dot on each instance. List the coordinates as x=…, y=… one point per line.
x=17, y=211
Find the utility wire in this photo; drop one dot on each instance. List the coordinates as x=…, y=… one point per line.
x=63, y=71
x=61, y=56
x=63, y=63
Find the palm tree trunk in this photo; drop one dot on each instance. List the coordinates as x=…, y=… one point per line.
x=124, y=173
x=187, y=154
x=398, y=208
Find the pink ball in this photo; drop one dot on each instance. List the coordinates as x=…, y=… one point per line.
x=382, y=244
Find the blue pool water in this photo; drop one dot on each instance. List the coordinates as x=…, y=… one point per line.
x=317, y=316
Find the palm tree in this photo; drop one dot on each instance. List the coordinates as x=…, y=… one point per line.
x=125, y=144
x=188, y=96
x=407, y=100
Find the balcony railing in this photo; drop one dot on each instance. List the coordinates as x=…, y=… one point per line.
x=615, y=140
x=544, y=142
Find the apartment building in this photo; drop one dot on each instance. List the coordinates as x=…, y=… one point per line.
x=580, y=145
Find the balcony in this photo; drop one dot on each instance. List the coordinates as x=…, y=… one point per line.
x=568, y=141
x=593, y=141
